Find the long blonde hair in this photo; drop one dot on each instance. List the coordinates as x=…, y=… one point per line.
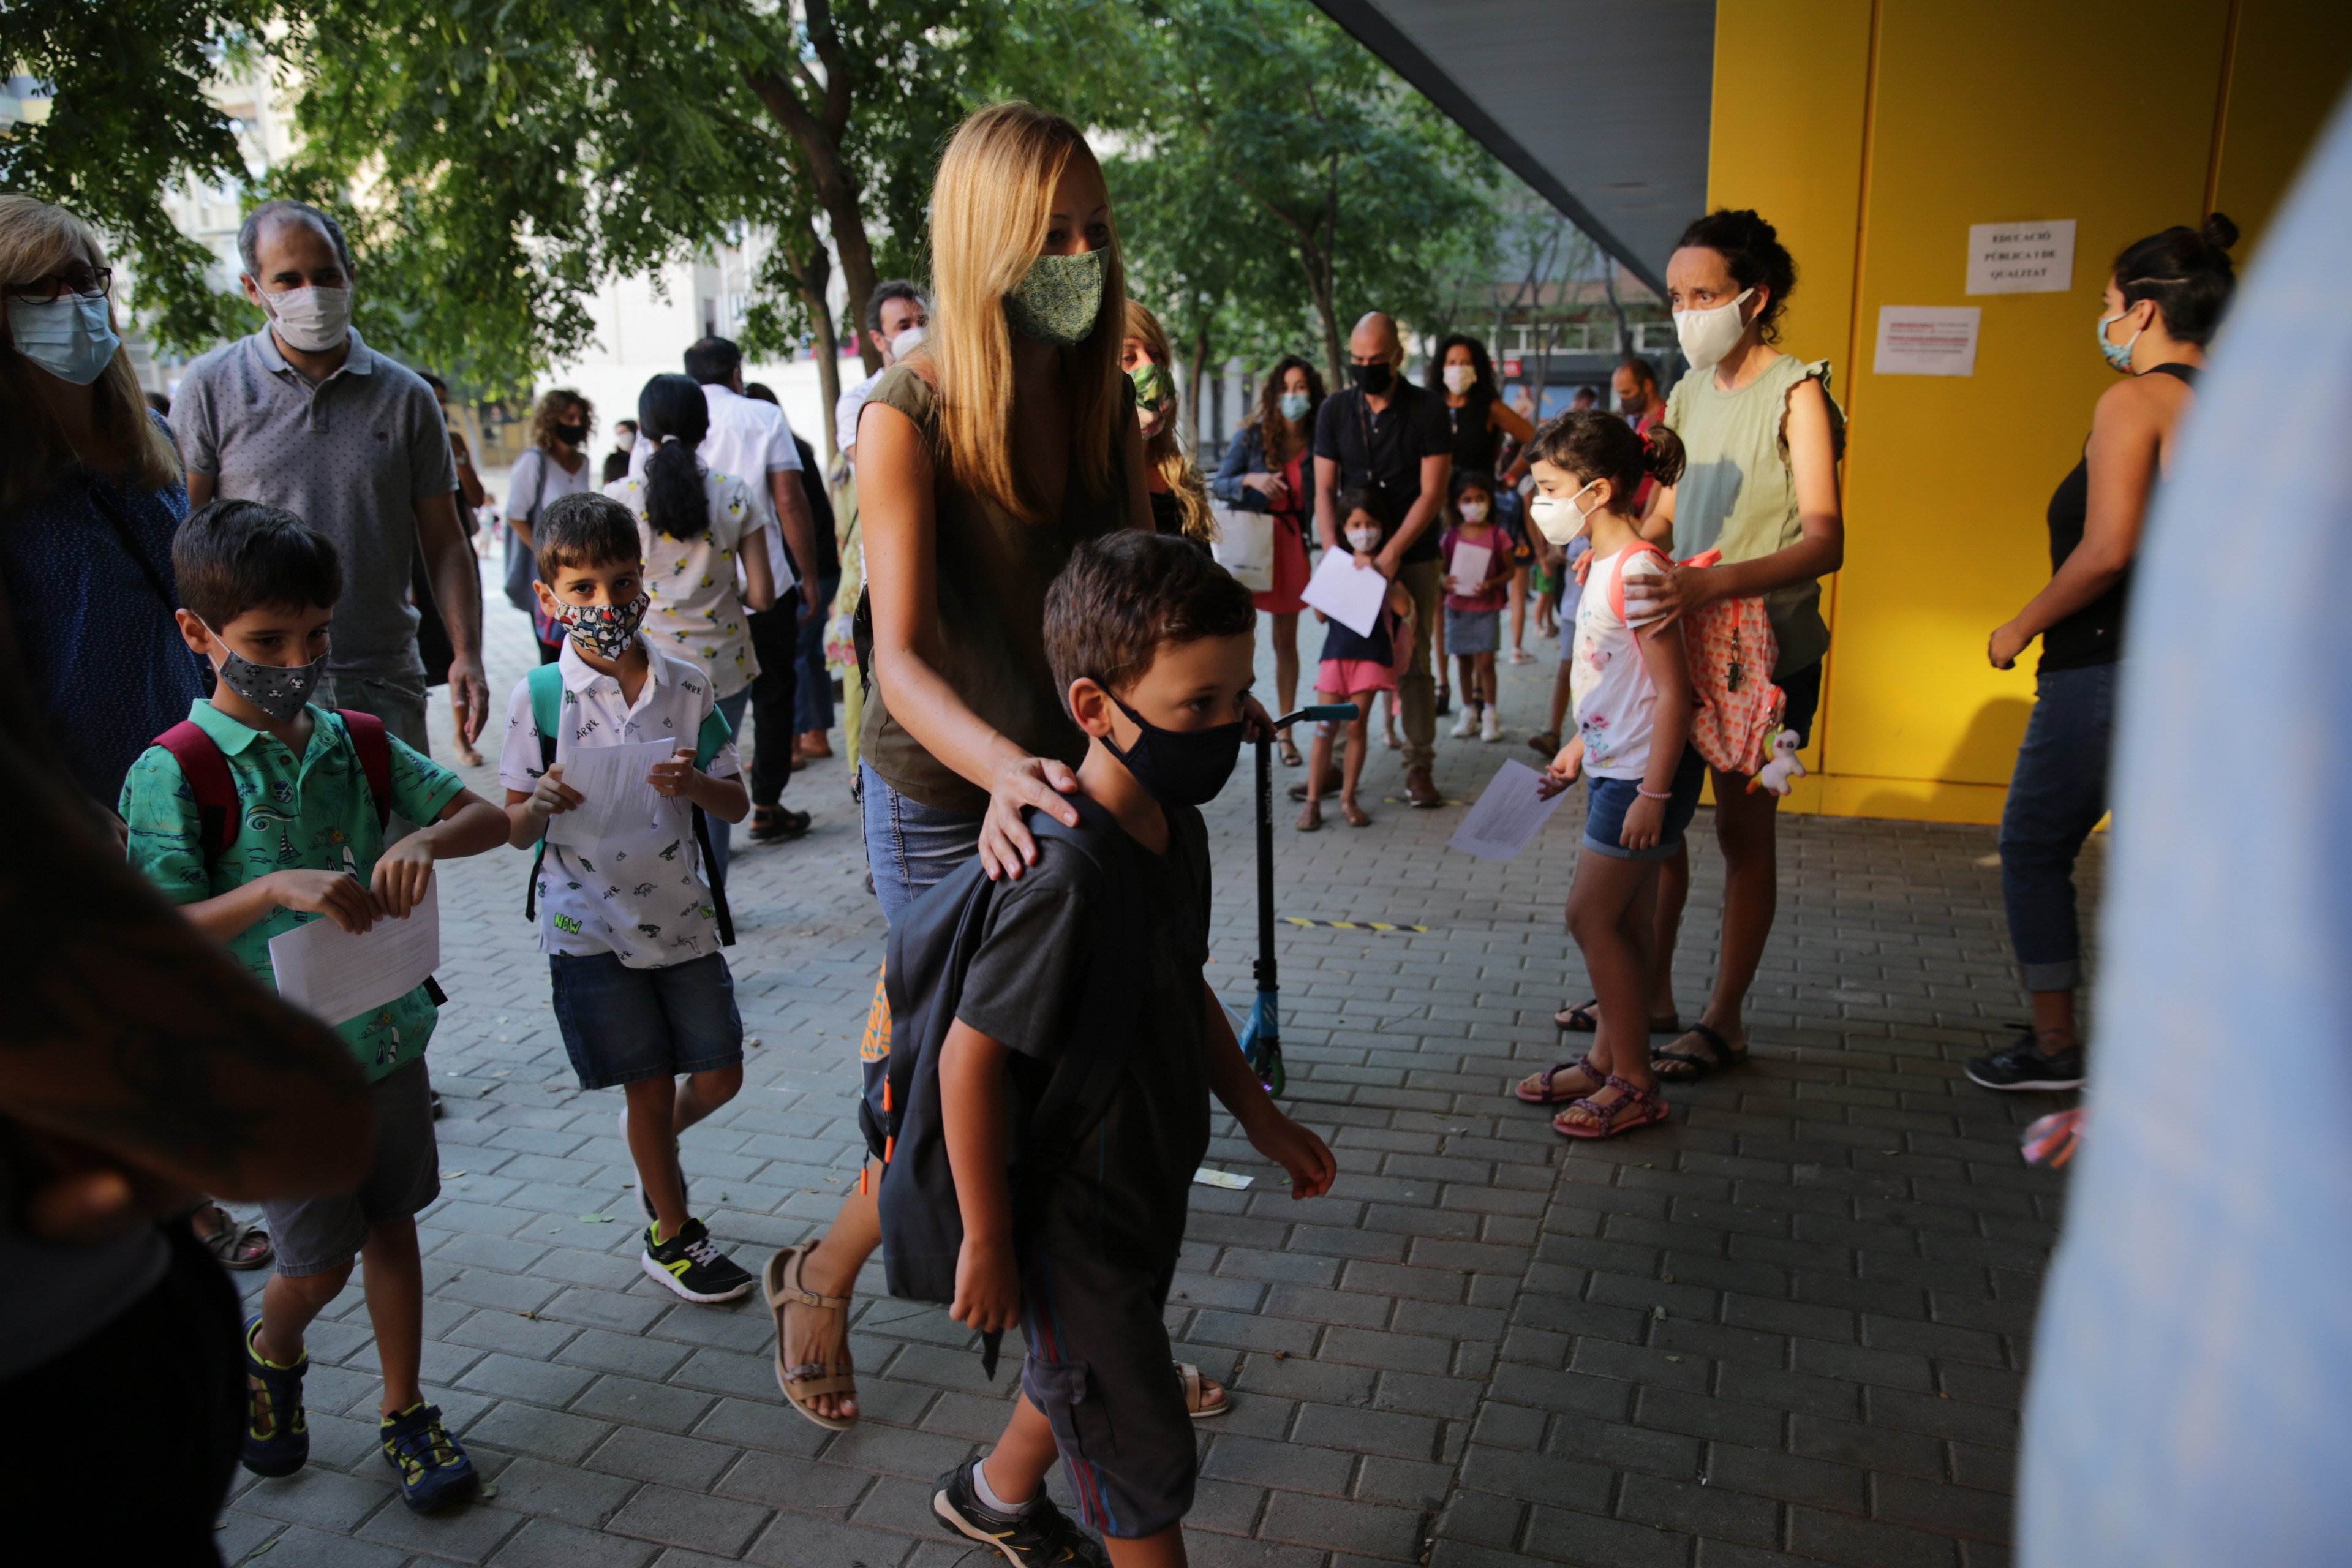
x=990, y=208
x=1168, y=451
x=36, y=239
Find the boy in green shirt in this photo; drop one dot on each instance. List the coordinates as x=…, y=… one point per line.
x=305, y=842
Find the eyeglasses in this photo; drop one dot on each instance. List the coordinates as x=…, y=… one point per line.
x=89, y=282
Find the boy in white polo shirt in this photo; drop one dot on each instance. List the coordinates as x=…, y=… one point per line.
x=631, y=929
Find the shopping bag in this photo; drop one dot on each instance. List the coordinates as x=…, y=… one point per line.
x=1244, y=546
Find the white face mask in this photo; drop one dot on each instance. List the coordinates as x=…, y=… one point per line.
x=1460, y=378
x=906, y=343
x=1558, y=517
x=315, y=319
x=71, y=338
x=1472, y=510
x=1365, y=541
x=1708, y=335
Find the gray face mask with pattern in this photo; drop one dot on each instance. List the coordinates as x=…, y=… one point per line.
x=1059, y=299
x=279, y=690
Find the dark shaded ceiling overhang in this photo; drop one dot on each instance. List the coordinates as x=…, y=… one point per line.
x=1601, y=106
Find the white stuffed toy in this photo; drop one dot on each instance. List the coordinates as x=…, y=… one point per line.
x=1780, y=775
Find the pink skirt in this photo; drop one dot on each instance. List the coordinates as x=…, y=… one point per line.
x=1346, y=677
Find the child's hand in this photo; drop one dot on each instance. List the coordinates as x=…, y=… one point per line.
x=402, y=875
x=672, y=777
x=552, y=794
x=987, y=1289
x=343, y=899
x=1366, y=560
x=1563, y=770
x=1646, y=822
x=1298, y=1150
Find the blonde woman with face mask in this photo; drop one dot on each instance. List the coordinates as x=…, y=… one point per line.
x=1003, y=441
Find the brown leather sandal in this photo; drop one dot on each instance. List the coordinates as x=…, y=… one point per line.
x=808, y=1380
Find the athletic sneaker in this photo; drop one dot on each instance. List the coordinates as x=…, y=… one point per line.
x=432, y=1467
x=1467, y=725
x=644, y=1202
x=1490, y=724
x=2025, y=1066
x=277, y=1432
x=1040, y=1536
x=691, y=1264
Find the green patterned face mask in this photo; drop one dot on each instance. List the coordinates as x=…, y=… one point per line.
x=1153, y=386
x=1057, y=299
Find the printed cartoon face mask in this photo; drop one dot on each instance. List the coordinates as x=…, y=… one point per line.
x=1057, y=299
x=279, y=690
x=604, y=630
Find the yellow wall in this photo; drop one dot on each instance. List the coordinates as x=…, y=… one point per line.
x=1873, y=133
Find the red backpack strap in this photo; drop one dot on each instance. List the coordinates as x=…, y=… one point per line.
x=206, y=770
x=374, y=743
x=1617, y=578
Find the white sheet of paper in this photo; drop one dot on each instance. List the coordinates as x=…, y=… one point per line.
x=1508, y=815
x=338, y=975
x=1926, y=339
x=2021, y=257
x=617, y=797
x=1349, y=594
x=1470, y=564
x=1225, y=1179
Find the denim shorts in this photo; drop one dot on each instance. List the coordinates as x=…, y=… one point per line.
x=623, y=1025
x=1604, y=811
x=910, y=846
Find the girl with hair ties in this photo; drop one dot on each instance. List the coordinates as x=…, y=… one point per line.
x=1179, y=498
x=984, y=459
x=1762, y=437
x=692, y=523
x=1268, y=469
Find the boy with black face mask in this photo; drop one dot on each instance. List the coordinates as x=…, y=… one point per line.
x=1151, y=644
x=259, y=813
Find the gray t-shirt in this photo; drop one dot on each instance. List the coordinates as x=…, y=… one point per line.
x=1126, y=1194
x=350, y=456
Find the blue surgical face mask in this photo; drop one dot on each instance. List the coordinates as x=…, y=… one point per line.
x=70, y=337
x=1294, y=406
x=2117, y=358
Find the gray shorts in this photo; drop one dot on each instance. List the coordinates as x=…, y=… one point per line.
x=315, y=1235
x=1473, y=631
x=1098, y=1367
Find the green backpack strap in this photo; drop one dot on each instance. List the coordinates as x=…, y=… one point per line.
x=546, y=684
x=713, y=738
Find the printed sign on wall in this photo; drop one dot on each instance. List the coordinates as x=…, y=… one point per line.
x=1926, y=339
x=2021, y=257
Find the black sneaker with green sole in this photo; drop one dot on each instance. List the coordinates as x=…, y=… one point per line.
x=691, y=1264
x=1040, y=1536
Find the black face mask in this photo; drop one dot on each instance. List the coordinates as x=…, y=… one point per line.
x=571, y=435
x=1375, y=379
x=1180, y=767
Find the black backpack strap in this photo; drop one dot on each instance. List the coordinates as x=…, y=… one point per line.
x=718, y=880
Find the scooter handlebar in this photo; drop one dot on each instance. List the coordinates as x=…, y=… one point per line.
x=1318, y=714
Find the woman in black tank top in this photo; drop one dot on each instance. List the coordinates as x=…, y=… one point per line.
x=2163, y=302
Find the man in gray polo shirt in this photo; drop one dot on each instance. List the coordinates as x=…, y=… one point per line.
x=304, y=415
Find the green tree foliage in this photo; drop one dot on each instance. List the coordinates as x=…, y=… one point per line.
x=128, y=121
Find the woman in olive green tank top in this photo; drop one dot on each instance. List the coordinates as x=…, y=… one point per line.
x=983, y=459
x=1762, y=435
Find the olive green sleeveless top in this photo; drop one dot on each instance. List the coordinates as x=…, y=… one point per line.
x=1737, y=493
x=993, y=571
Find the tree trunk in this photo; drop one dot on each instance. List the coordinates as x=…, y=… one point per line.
x=811, y=270
x=1195, y=373
x=829, y=172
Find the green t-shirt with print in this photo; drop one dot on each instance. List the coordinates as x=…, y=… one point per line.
x=311, y=812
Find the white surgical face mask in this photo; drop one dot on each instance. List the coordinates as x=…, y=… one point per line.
x=1460, y=378
x=316, y=319
x=907, y=342
x=1558, y=517
x=70, y=338
x=1364, y=540
x=1472, y=510
x=1706, y=336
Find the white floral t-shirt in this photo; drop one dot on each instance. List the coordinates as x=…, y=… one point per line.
x=696, y=614
x=1615, y=703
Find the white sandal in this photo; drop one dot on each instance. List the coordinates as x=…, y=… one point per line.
x=808, y=1380
x=1196, y=1387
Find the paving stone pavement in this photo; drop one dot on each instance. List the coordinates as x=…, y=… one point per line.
x=1790, y=1326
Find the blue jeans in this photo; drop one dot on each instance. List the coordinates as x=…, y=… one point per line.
x=813, y=697
x=722, y=834
x=910, y=846
x=2057, y=796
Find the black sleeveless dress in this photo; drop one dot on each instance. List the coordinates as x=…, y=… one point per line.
x=2093, y=635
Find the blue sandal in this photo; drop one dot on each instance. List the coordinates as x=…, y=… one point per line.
x=277, y=1431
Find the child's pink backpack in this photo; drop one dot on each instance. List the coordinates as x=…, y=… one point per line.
x=1731, y=650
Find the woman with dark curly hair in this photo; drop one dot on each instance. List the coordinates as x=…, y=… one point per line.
x=1266, y=470
x=1762, y=435
x=554, y=465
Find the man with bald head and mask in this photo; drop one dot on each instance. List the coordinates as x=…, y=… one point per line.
x=1393, y=436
